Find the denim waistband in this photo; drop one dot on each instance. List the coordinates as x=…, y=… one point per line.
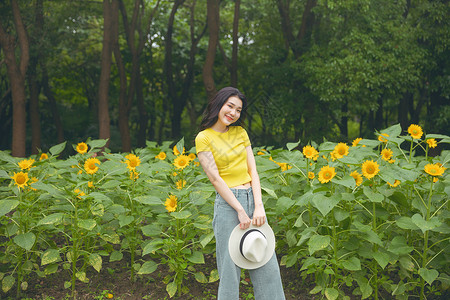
x=239, y=192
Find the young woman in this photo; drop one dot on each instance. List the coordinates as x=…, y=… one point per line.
x=225, y=153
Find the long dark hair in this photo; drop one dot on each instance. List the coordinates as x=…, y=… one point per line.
x=210, y=115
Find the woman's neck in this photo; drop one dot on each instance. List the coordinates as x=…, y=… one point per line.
x=219, y=127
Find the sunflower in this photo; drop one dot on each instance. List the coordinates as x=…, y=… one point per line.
x=370, y=168
x=132, y=161
x=25, y=164
x=181, y=162
x=357, y=176
x=20, y=179
x=396, y=183
x=90, y=184
x=341, y=150
x=171, y=203
x=260, y=153
x=356, y=142
x=192, y=156
x=284, y=166
x=431, y=143
x=175, y=150
x=134, y=175
x=91, y=165
x=180, y=184
x=311, y=175
x=415, y=131
x=82, y=148
x=434, y=169
x=161, y=156
x=43, y=156
x=386, y=154
x=33, y=180
x=326, y=174
x=79, y=193
x=310, y=152
x=381, y=137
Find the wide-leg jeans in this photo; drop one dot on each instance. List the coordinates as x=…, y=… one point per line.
x=266, y=280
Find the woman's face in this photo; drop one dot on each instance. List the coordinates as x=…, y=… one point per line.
x=230, y=111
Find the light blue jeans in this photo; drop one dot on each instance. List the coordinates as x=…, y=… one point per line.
x=266, y=280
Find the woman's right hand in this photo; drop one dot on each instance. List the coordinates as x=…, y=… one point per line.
x=244, y=220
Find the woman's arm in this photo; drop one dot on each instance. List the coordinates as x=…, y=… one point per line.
x=208, y=163
x=259, y=215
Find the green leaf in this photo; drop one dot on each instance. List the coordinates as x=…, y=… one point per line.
x=57, y=149
x=200, y=277
x=148, y=267
x=180, y=145
x=7, y=205
x=7, y=283
x=283, y=204
x=111, y=184
x=316, y=290
x=424, y=225
x=398, y=246
x=3, y=174
x=270, y=192
x=374, y=197
x=152, y=247
x=324, y=204
x=406, y=223
x=67, y=284
x=97, y=143
x=196, y=258
x=171, y=288
x=149, y=200
x=50, y=256
x=115, y=256
x=81, y=276
x=428, y=275
x=213, y=276
x=125, y=220
x=331, y=293
x=95, y=260
x=25, y=240
x=381, y=258
x=299, y=221
x=181, y=215
x=206, y=239
x=347, y=181
x=352, y=264
x=291, y=146
x=51, y=219
x=112, y=238
x=87, y=224
x=318, y=242
x=151, y=230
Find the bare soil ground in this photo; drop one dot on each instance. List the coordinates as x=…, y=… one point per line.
x=118, y=283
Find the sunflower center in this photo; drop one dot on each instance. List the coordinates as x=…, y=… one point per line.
x=369, y=170
x=92, y=166
x=20, y=179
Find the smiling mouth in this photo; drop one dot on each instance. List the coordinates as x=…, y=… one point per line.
x=229, y=118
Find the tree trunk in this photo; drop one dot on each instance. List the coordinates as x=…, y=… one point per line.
x=403, y=110
x=379, y=115
x=343, y=125
x=34, y=86
x=16, y=74
x=213, y=26
x=53, y=105
x=104, y=131
x=234, y=53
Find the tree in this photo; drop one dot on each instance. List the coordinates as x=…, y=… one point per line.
x=106, y=61
x=213, y=28
x=17, y=73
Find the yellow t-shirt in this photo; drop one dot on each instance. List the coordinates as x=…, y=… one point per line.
x=229, y=153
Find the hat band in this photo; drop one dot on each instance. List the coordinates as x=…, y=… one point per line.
x=241, y=244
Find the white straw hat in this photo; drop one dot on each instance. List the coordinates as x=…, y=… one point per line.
x=253, y=247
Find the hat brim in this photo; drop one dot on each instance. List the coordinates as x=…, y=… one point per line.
x=235, y=253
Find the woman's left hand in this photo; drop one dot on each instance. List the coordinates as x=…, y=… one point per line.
x=259, y=216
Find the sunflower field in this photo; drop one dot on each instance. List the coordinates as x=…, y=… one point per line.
x=368, y=220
